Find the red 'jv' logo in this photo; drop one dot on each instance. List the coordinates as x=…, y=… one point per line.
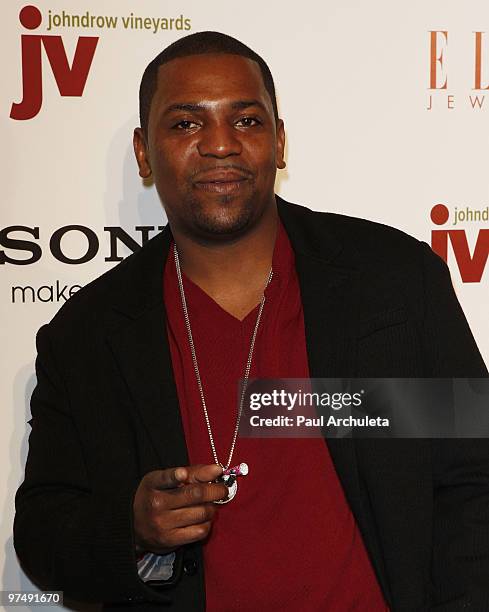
x=70, y=80
x=471, y=266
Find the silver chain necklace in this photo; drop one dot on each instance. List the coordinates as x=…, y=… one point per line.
x=230, y=474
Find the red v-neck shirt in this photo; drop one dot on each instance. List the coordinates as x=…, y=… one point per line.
x=288, y=540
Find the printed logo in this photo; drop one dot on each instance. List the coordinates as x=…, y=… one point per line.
x=440, y=82
x=471, y=266
x=70, y=80
x=20, y=246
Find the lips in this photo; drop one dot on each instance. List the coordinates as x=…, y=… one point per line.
x=221, y=181
x=222, y=176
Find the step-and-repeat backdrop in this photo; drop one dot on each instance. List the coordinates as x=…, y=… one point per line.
x=386, y=106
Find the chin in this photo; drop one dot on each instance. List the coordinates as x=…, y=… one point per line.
x=228, y=218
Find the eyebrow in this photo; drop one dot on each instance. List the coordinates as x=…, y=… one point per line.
x=192, y=107
x=242, y=104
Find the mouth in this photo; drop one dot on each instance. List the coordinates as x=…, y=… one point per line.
x=222, y=181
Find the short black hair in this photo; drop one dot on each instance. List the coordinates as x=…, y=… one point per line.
x=200, y=43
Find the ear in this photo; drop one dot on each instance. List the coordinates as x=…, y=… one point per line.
x=280, y=145
x=141, y=152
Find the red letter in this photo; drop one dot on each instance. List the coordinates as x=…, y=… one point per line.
x=439, y=243
x=471, y=268
x=71, y=81
x=436, y=59
x=31, y=79
x=478, y=61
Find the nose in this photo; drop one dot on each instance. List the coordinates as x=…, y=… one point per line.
x=219, y=141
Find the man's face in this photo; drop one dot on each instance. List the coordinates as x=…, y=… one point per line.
x=212, y=145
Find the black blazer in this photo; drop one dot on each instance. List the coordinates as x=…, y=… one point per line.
x=105, y=412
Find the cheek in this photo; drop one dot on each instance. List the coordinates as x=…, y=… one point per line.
x=262, y=153
x=163, y=152
x=266, y=167
x=175, y=163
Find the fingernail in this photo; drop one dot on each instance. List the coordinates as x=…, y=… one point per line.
x=181, y=474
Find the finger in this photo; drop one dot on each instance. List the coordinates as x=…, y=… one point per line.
x=195, y=494
x=203, y=473
x=170, y=478
x=192, y=515
x=188, y=535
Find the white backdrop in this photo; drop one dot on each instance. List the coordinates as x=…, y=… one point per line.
x=353, y=82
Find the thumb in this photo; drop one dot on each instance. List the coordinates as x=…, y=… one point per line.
x=203, y=473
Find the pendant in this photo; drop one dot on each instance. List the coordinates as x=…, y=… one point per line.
x=230, y=479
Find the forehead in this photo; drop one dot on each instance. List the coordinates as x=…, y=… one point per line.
x=212, y=78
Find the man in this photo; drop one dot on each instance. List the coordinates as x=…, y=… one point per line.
x=134, y=415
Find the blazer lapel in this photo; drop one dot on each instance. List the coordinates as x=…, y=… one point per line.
x=142, y=352
x=140, y=346
x=330, y=318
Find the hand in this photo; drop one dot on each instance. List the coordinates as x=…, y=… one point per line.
x=175, y=507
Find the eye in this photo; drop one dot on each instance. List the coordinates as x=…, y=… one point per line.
x=185, y=125
x=248, y=122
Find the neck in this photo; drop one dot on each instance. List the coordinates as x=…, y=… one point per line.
x=233, y=273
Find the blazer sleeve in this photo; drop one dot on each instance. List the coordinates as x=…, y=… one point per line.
x=67, y=536
x=460, y=466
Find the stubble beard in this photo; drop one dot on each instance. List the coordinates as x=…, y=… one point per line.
x=225, y=217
